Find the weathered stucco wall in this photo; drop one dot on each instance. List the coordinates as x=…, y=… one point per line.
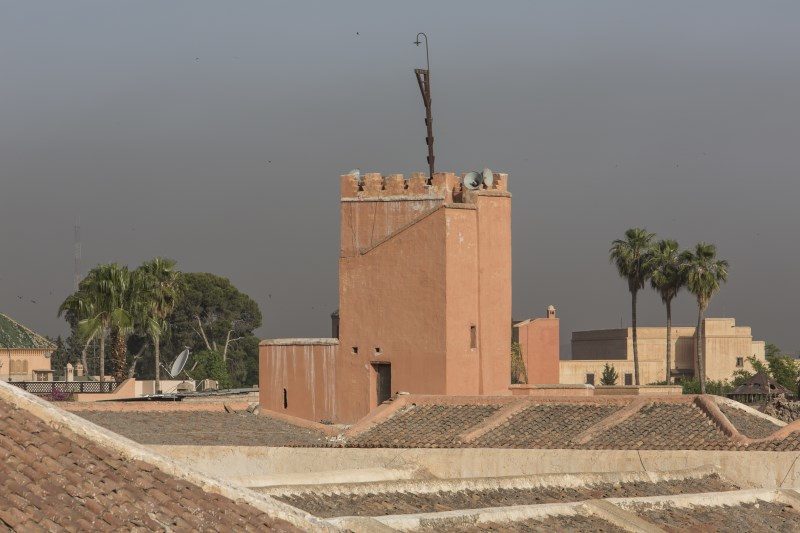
x=424, y=286
x=23, y=362
x=749, y=469
x=304, y=370
x=539, y=345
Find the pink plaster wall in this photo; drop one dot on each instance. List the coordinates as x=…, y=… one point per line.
x=539, y=344
x=417, y=269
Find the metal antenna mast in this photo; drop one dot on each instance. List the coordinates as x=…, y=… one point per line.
x=77, y=229
x=424, y=81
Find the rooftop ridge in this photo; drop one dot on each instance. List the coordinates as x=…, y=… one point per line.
x=36, y=337
x=110, y=441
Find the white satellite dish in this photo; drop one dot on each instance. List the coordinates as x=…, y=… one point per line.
x=179, y=363
x=472, y=180
x=488, y=178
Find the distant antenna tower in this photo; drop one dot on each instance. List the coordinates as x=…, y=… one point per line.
x=77, y=228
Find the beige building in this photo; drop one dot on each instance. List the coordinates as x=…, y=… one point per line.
x=727, y=347
x=24, y=354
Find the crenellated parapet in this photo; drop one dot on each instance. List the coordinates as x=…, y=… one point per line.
x=447, y=186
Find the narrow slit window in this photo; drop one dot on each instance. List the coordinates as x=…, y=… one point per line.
x=285, y=399
x=473, y=337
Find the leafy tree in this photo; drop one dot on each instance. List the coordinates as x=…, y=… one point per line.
x=666, y=278
x=782, y=368
x=99, y=305
x=693, y=386
x=208, y=364
x=161, y=282
x=704, y=277
x=59, y=358
x=630, y=256
x=518, y=372
x=610, y=376
x=213, y=315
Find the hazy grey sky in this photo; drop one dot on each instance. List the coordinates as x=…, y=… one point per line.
x=155, y=122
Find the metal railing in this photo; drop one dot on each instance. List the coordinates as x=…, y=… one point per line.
x=66, y=387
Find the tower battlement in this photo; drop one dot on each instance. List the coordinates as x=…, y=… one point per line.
x=444, y=185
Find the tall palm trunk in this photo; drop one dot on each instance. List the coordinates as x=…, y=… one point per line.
x=635, y=339
x=669, y=340
x=157, y=348
x=102, y=356
x=120, y=352
x=699, y=339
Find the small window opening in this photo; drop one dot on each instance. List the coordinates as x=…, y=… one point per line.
x=285, y=399
x=473, y=337
x=740, y=362
x=377, y=350
x=628, y=379
x=355, y=350
x=590, y=379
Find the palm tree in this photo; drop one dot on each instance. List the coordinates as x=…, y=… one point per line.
x=99, y=300
x=629, y=255
x=161, y=279
x=666, y=278
x=704, y=274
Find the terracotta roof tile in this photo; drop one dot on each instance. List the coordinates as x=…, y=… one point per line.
x=52, y=479
x=748, y=424
x=672, y=426
x=548, y=425
x=424, y=426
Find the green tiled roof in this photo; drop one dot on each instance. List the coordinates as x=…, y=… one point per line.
x=15, y=335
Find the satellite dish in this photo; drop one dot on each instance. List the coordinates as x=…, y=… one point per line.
x=472, y=180
x=179, y=363
x=355, y=172
x=488, y=178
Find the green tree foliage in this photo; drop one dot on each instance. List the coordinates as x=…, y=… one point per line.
x=209, y=365
x=518, y=372
x=161, y=281
x=782, y=368
x=663, y=264
x=100, y=306
x=211, y=314
x=692, y=386
x=610, y=376
x=704, y=274
x=630, y=256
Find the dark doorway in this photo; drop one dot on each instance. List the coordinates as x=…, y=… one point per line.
x=383, y=381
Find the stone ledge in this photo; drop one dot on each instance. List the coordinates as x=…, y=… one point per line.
x=320, y=341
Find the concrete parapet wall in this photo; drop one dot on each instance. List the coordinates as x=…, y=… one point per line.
x=749, y=469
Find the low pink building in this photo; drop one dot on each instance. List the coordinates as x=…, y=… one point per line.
x=539, y=345
x=424, y=301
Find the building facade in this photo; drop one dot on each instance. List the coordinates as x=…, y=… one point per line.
x=539, y=346
x=727, y=348
x=424, y=301
x=24, y=354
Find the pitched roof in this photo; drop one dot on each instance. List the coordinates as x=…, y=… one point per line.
x=758, y=385
x=15, y=335
x=53, y=478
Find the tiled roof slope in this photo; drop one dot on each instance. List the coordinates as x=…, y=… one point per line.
x=622, y=423
x=547, y=425
x=15, y=335
x=427, y=426
x=53, y=479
